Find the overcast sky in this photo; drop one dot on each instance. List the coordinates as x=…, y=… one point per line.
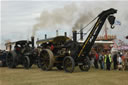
x=18, y=18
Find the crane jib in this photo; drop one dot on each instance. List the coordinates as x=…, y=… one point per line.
x=97, y=23
x=88, y=43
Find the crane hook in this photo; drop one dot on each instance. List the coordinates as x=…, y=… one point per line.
x=112, y=26
x=111, y=20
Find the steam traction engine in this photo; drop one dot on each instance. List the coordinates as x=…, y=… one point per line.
x=65, y=54
x=22, y=54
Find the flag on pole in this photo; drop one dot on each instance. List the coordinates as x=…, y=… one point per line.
x=117, y=22
x=126, y=37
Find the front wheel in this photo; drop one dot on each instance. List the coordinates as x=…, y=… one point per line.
x=26, y=62
x=86, y=65
x=68, y=64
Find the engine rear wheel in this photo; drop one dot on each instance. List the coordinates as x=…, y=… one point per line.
x=86, y=65
x=10, y=59
x=26, y=62
x=68, y=64
x=46, y=60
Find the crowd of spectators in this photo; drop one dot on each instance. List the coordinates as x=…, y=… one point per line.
x=108, y=61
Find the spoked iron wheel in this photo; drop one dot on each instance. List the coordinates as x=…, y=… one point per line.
x=68, y=64
x=86, y=65
x=10, y=60
x=46, y=60
x=26, y=62
x=31, y=62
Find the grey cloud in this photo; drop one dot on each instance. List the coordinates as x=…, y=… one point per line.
x=18, y=16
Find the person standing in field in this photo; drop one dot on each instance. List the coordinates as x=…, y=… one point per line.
x=126, y=60
x=91, y=55
x=115, y=63
x=101, y=60
x=123, y=60
x=96, y=60
x=119, y=62
x=108, y=60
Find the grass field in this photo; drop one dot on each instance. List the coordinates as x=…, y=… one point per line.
x=35, y=76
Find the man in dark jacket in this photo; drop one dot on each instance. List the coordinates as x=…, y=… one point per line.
x=115, y=61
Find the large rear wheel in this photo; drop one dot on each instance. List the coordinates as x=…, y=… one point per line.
x=10, y=59
x=68, y=64
x=46, y=60
x=86, y=65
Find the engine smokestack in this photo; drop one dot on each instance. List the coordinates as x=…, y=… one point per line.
x=57, y=33
x=45, y=36
x=74, y=35
x=32, y=40
x=65, y=34
x=81, y=34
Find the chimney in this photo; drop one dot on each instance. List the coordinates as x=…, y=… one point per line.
x=57, y=33
x=65, y=34
x=45, y=36
x=32, y=40
x=81, y=34
x=74, y=35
